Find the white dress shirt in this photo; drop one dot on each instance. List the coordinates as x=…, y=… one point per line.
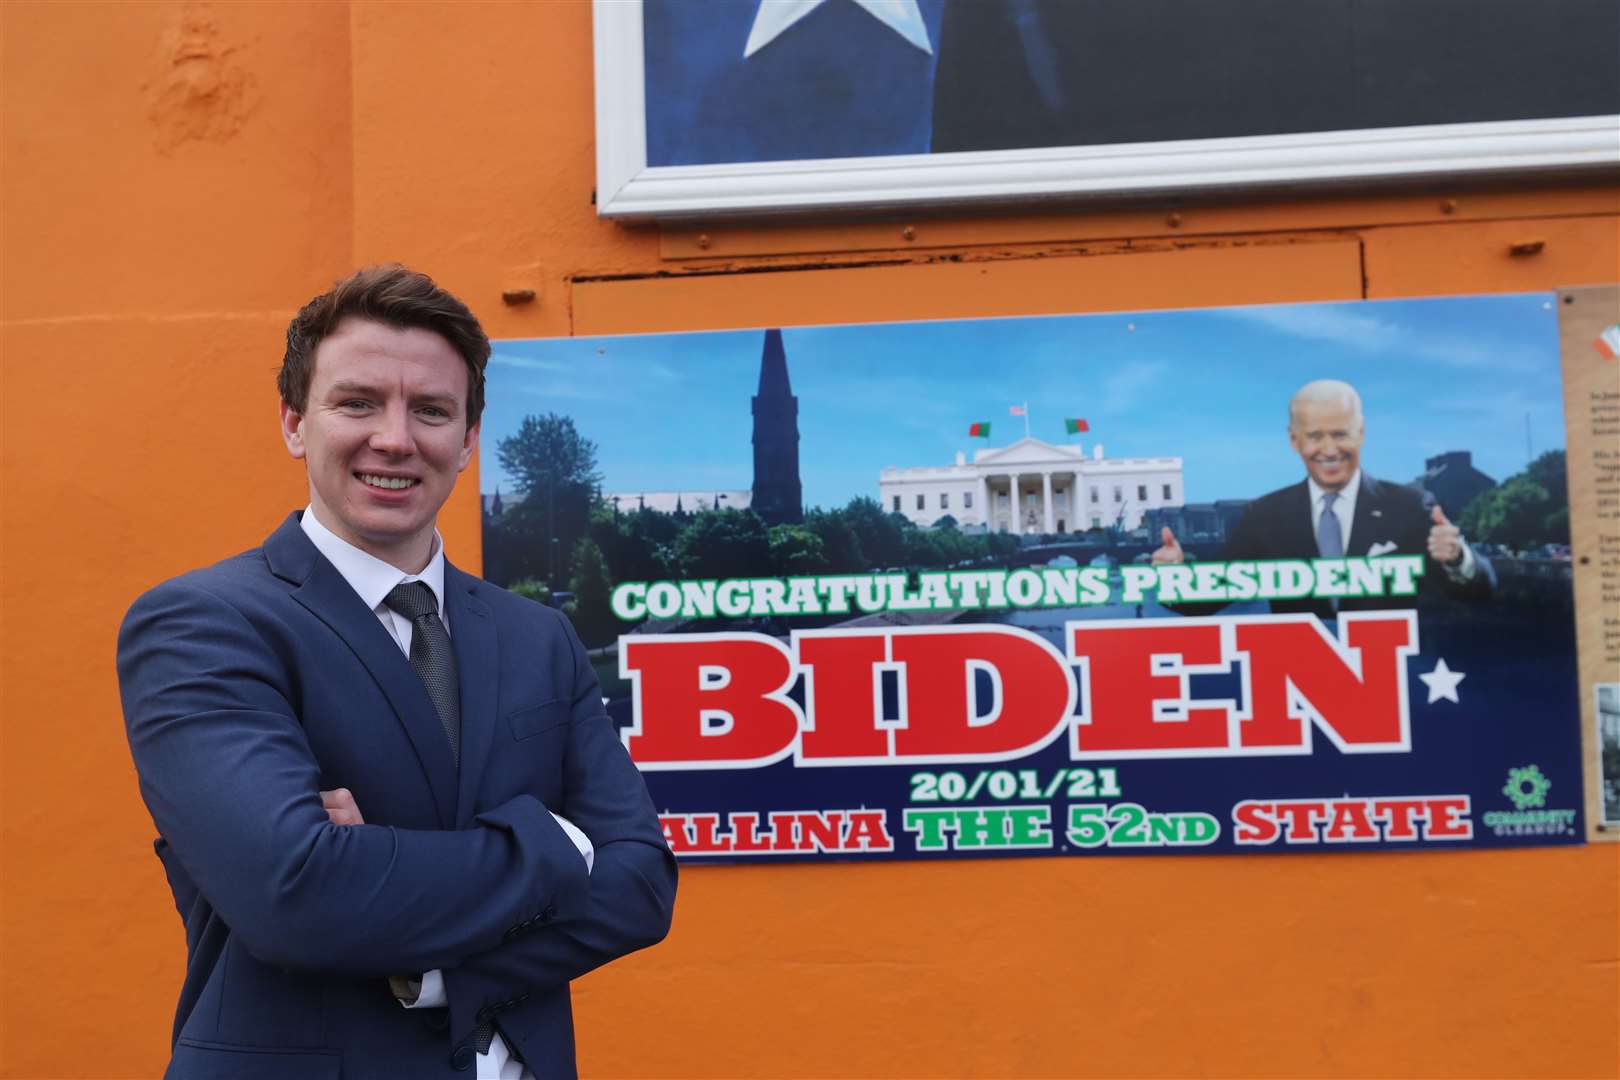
x=372, y=579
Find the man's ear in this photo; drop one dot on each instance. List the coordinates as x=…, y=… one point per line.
x=292, y=431
x=469, y=445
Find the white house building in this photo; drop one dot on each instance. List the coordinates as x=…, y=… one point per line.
x=1034, y=487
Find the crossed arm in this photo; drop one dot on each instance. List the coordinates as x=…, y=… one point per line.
x=631, y=883
x=504, y=906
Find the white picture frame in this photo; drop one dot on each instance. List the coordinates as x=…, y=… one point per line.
x=629, y=190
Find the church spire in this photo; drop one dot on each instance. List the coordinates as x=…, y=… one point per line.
x=778, y=496
x=773, y=373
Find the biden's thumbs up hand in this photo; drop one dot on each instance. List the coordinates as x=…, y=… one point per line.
x=1169, y=551
x=1445, y=539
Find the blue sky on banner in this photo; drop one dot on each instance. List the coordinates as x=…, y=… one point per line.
x=671, y=411
x=825, y=79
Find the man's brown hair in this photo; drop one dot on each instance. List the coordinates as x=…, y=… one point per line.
x=394, y=296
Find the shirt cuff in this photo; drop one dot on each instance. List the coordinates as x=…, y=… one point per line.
x=581, y=841
x=429, y=990
x=1465, y=570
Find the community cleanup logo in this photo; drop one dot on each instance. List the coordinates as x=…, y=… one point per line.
x=1527, y=788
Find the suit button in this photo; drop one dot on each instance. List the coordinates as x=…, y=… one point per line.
x=462, y=1059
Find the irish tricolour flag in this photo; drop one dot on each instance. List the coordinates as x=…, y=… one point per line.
x=981, y=430
x=1608, y=342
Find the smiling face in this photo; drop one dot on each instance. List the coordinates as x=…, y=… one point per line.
x=383, y=436
x=1327, y=436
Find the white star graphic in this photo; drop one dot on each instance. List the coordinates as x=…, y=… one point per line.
x=775, y=16
x=1442, y=682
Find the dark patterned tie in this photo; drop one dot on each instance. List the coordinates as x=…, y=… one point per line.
x=435, y=663
x=431, y=656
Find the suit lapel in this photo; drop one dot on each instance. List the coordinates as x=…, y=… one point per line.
x=1368, y=522
x=1299, y=523
x=474, y=638
x=324, y=593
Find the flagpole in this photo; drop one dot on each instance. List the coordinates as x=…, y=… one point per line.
x=1026, y=419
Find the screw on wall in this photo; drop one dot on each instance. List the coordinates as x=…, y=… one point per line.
x=1174, y=220
x=908, y=233
x=1448, y=206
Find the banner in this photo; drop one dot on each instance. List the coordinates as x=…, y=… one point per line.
x=1290, y=578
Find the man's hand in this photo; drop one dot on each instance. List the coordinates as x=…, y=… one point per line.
x=1445, y=539
x=1169, y=551
x=341, y=808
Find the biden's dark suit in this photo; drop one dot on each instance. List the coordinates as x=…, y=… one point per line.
x=1389, y=520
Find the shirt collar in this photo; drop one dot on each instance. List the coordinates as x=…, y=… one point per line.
x=367, y=575
x=1347, y=494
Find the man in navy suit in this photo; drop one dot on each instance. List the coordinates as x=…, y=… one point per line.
x=1338, y=510
x=390, y=860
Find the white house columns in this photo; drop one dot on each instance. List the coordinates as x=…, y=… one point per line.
x=1007, y=497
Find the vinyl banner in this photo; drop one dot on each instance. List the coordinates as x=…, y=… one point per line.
x=1291, y=578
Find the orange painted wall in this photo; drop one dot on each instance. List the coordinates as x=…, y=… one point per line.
x=178, y=177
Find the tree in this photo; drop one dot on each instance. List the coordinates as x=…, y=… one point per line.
x=796, y=551
x=548, y=451
x=956, y=547
x=840, y=546
x=593, y=591
x=1002, y=544
x=1524, y=511
x=1513, y=513
x=554, y=468
x=515, y=545
x=922, y=549
x=638, y=546
x=530, y=589
x=1550, y=472
x=723, y=544
x=881, y=536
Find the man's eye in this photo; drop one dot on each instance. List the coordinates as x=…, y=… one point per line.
x=433, y=411
x=353, y=403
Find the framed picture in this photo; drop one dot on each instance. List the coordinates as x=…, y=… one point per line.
x=760, y=107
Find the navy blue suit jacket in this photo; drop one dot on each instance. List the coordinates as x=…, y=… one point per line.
x=252, y=685
x=1389, y=516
